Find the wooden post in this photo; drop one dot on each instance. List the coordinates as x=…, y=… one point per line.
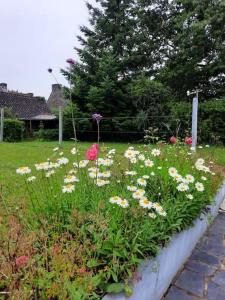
x=195, y=122
x=60, y=125
x=2, y=125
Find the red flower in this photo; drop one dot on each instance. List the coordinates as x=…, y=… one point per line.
x=188, y=141
x=173, y=140
x=22, y=260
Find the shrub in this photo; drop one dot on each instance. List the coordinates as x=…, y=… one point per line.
x=13, y=130
x=46, y=134
x=211, y=120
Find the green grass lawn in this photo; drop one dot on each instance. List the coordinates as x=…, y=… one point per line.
x=14, y=155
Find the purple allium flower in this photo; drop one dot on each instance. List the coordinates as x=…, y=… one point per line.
x=49, y=70
x=70, y=61
x=97, y=117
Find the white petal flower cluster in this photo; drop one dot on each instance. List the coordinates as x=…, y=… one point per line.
x=63, y=161
x=182, y=187
x=156, y=152
x=73, y=151
x=119, y=201
x=69, y=188
x=31, y=178
x=199, y=187
x=70, y=179
x=107, y=162
x=149, y=163
x=23, y=170
x=200, y=165
x=101, y=182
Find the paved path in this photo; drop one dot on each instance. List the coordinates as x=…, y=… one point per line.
x=203, y=276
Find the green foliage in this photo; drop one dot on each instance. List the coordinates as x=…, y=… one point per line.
x=195, y=57
x=46, y=134
x=211, y=120
x=13, y=130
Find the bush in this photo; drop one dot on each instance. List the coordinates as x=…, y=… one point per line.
x=46, y=134
x=13, y=130
x=211, y=120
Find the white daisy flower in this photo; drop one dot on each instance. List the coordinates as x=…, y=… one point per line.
x=162, y=213
x=157, y=207
x=146, y=176
x=129, y=154
x=73, y=171
x=101, y=182
x=190, y=178
x=182, y=187
x=131, y=173
x=61, y=153
x=189, y=196
x=149, y=163
x=138, y=194
x=115, y=199
x=42, y=166
x=199, y=187
x=123, y=203
x=55, y=149
x=152, y=215
x=145, y=203
x=63, y=161
x=70, y=179
x=83, y=163
x=49, y=173
x=112, y=152
x=155, y=152
x=179, y=178
x=203, y=178
x=141, y=157
x=173, y=172
x=131, y=188
x=152, y=173
x=142, y=181
x=69, y=188
x=73, y=151
x=31, y=178
x=23, y=170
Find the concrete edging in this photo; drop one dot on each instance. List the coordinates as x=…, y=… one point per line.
x=158, y=273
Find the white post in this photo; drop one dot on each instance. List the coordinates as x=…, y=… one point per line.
x=195, y=122
x=2, y=125
x=60, y=125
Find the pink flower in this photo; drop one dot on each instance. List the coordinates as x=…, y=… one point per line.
x=92, y=154
x=95, y=146
x=173, y=140
x=188, y=141
x=22, y=260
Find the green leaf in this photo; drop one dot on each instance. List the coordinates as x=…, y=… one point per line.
x=115, y=288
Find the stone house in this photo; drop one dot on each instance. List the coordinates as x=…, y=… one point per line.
x=28, y=108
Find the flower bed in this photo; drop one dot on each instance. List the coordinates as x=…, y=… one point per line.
x=88, y=223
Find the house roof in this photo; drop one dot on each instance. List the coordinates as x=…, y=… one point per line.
x=25, y=106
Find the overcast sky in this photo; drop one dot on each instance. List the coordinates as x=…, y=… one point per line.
x=36, y=35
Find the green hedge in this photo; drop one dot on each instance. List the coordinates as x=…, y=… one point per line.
x=13, y=130
x=46, y=134
x=211, y=120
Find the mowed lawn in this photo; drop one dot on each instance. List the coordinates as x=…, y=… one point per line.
x=14, y=155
